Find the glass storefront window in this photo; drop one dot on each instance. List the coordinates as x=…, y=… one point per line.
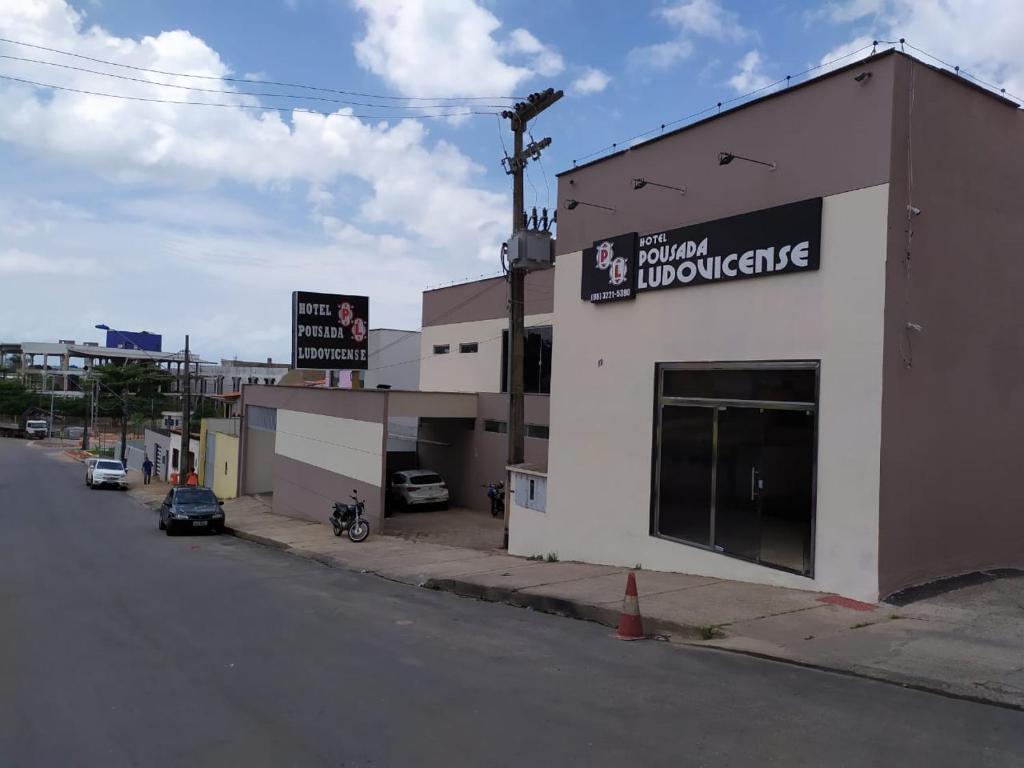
x=734, y=460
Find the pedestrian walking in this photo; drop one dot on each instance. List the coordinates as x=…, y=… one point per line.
x=192, y=478
x=147, y=471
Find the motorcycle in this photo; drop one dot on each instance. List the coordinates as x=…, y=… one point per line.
x=350, y=518
x=496, y=493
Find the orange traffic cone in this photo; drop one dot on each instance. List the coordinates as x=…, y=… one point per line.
x=631, y=626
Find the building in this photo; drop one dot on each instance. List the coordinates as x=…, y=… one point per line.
x=307, y=444
x=804, y=371
x=63, y=367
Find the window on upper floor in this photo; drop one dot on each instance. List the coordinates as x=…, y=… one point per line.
x=442, y=349
x=536, y=360
x=469, y=348
x=537, y=430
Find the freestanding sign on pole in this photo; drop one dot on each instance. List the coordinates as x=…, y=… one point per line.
x=330, y=331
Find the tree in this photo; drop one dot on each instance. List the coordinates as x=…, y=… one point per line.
x=130, y=389
x=14, y=398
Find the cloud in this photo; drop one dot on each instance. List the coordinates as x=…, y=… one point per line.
x=690, y=19
x=750, y=77
x=243, y=205
x=240, y=267
x=544, y=60
x=660, y=55
x=591, y=81
x=449, y=48
x=983, y=38
x=428, y=190
x=15, y=262
x=705, y=18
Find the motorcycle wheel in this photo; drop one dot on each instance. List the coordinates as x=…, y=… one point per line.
x=337, y=530
x=358, y=531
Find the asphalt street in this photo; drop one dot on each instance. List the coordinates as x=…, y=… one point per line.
x=120, y=646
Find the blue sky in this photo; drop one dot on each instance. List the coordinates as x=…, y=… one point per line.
x=203, y=220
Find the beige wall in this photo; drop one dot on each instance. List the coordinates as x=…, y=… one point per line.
x=344, y=446
x=225, y=470
x=466, y=372
x=600, y=414
x=259, y=461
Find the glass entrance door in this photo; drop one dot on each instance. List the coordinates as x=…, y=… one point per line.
x=787, y=488
x=685, y=472
x=737, y=481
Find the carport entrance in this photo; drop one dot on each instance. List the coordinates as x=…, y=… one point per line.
x=453, y=527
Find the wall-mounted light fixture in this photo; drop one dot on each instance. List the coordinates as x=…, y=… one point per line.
x=724, y=158
x=641, y=183
x=571, y=204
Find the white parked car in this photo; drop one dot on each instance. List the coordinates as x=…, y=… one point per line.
x=106, y=472
x=418, y=487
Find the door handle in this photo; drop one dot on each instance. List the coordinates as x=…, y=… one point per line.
x=755, y=484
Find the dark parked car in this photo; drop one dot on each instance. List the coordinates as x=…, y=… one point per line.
x=191, y=508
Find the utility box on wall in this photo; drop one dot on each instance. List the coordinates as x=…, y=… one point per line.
x=529, y=487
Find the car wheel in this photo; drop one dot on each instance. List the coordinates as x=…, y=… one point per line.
x=168, y=528
x=218, y=528
x=160, y=525
x=443, y=506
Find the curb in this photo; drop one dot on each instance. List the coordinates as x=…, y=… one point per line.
x=908, y=682
x=558, y=606
x=257, y=539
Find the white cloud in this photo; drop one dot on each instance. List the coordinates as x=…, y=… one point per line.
x=448, y=48
x=391, y=209
x=661, y=55
x=240, y=267
x=690, y=19
x=591, y=81
x=705, y=18
x=15, y=262
x=426, y=190
x=544, y=60
x=750, y=76
x=981, y=36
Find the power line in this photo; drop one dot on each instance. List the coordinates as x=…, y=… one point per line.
x=718, y=105
x=258, y=107
x=788, y=80
x=964, y=73
x=252, y=80
x=241, y=93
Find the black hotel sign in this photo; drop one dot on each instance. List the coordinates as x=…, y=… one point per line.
x=330, y=331
x=772, y=241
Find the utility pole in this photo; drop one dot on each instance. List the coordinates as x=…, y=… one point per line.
x=186, y=419
x=88, y=414
x=124, y=427
x=519, y=116
x=49, y=424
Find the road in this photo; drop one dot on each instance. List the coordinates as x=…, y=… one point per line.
x=122, y=647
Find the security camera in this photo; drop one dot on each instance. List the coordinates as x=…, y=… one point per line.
x=862, y=77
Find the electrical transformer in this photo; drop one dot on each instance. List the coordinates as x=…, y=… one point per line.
x=531, y=249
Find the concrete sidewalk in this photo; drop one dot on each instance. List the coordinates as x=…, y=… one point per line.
x=967, y=643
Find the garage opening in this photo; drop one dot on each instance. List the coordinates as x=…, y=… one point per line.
x=735, y=459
